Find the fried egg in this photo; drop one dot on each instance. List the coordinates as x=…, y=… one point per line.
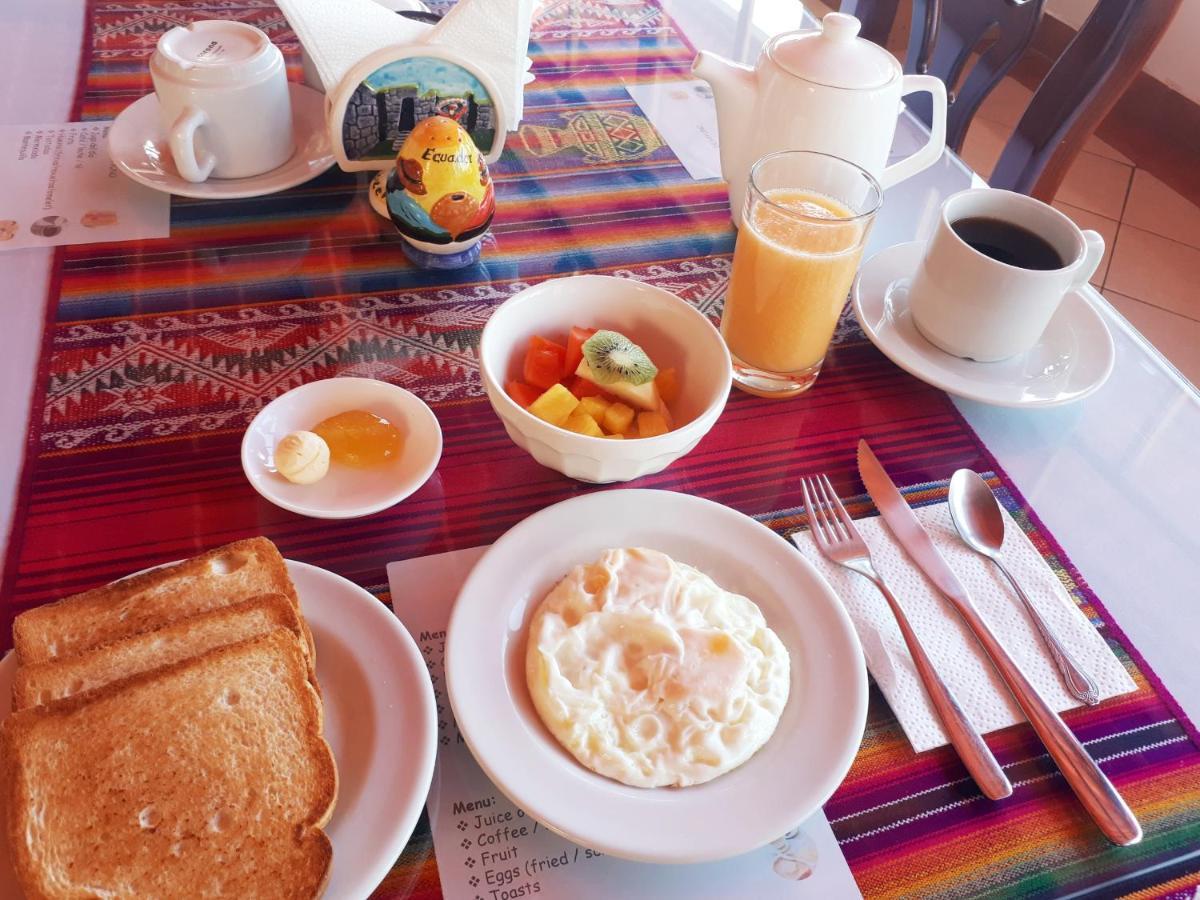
x=650, y=673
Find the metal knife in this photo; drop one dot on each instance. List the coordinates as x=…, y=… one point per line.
x=1090, y=785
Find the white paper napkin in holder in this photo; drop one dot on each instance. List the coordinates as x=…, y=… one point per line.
x=956, y=655
x=337, y=34
x=345, y=40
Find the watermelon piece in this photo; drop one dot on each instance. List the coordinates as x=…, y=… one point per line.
x=543, y=363
x=581, y=388
x=575, y=348
x=522, y=393
x=537, y=342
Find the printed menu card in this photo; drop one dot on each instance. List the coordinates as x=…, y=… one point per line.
x=58, y=186
x=488, y=849
x=684, y=115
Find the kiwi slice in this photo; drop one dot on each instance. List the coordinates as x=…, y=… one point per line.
x=612, y=357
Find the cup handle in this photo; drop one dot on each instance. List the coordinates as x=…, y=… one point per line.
x=1091, y=257
x=182, y=141
x=928, y=154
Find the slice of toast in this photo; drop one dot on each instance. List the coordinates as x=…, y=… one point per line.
x=40, y=683
x=206, y=778
x=144, y=602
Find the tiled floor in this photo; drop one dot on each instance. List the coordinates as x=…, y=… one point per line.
x=1151, y=270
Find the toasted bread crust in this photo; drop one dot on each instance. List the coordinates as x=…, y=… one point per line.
x=299, y=868
x=39, y=683
x=150, y=600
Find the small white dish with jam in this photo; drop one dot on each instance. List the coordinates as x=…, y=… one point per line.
x=341, y=448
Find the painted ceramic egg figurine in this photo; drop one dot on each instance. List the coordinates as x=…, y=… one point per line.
x=440, y=194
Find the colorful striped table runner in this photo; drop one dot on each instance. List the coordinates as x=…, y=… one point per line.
x=158, y=353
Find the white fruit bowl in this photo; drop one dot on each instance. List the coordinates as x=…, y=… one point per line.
x=671, y=331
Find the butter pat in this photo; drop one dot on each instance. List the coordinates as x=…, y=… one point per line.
x=302, y=457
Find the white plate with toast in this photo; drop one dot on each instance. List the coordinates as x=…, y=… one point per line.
x=379, y=721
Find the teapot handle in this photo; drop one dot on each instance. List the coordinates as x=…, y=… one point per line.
x=928, y=154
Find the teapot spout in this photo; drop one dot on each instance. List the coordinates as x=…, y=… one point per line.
x=734, y=89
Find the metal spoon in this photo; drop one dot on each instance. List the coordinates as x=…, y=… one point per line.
x=976, y=515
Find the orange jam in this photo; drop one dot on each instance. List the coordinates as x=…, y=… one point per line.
x=360, y=439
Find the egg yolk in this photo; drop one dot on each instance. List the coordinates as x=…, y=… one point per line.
x=360, y=439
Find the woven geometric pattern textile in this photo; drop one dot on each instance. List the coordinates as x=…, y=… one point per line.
x=158, y=353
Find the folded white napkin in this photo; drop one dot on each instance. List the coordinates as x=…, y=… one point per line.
x=492, y=34
x=338, y=34
x=961, y=662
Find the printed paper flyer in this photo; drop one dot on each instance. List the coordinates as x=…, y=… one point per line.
x=58, y=186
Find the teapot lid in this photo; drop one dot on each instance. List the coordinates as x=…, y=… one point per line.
x=834, y=56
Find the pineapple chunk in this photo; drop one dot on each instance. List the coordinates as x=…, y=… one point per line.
x=594, y=407
x=581, y=423
x=615, y=437
x=617, y=418
x=651, y=424
x=642, y=396
x=667, y=381
x=555, y=405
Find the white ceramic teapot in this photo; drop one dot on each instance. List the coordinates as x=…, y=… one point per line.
x=823, y=89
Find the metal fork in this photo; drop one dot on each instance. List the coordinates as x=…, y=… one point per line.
x=839, y=540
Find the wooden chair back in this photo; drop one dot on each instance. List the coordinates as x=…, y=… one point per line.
x=972, y=44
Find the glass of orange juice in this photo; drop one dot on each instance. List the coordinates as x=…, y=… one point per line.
x=803, y=230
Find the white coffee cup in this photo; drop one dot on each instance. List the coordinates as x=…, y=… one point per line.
x=971, y=305
x=223, y=100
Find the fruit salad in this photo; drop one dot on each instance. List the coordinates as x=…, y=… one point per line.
x=599, y=383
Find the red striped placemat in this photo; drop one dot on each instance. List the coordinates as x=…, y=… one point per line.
x=158, y=353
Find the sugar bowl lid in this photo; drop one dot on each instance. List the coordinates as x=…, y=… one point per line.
x=834, y=55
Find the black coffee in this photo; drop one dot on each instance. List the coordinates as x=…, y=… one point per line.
x=1008, y=243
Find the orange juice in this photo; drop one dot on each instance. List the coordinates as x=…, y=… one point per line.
x=791, y=274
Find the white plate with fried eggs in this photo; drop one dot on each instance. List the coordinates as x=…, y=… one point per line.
x=757, y=800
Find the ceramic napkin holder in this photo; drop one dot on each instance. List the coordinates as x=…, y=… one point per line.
x=382, y=73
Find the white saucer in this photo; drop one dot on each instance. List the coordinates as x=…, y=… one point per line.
x=138, y=148
x=774, y=791
x=380, y=722
x=1073, y=357
x=344, y=493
